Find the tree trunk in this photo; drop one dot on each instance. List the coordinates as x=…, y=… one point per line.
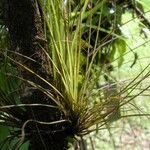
x=24, y=21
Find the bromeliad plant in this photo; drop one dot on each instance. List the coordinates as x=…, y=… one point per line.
x=73, y=83
x=80, y=48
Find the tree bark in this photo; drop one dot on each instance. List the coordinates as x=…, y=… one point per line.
x=24, y=21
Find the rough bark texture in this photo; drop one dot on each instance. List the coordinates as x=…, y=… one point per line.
x=24, y=22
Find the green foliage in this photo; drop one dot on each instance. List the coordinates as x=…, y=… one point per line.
x=119, y=46
x=4, y=132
